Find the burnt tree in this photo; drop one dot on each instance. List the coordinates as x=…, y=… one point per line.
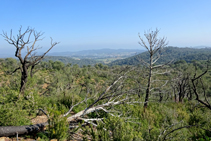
x=26, y=41
x=181, y=87
x=153, y=46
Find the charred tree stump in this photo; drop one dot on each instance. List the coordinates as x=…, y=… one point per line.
x=20, y=130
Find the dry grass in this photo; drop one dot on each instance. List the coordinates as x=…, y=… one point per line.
x=39, y=119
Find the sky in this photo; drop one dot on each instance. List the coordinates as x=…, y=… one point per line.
x=96, y=24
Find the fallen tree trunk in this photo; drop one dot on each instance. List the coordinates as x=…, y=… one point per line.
x=20, y=130
x=29, y=129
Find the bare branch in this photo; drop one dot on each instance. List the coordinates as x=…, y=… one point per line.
x=99, y=98
x=207, y=104
x=188, y=126
x=73, y=107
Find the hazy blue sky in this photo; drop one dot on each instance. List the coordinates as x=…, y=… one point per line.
x=95, y=24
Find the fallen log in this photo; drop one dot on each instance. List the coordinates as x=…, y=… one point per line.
x=20, y=130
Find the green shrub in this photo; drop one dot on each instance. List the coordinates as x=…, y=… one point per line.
x=11, y=115
x=58, y=126
x=113, y=128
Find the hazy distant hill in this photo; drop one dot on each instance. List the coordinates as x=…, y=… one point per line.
x=199, y=47
x=101, y=53
x=91, y=57
x=169, y=53
x=124, y=56
x=67, y=60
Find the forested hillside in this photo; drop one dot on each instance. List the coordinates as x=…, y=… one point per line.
x=168, y=54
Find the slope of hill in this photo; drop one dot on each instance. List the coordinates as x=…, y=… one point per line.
x=168, y=54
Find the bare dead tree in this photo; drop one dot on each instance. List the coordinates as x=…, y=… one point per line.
x=26, y=41
x=154, y=47
x=181, y=86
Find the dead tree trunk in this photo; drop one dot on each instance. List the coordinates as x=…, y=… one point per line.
x=24, y=77
x=148, y=86
x=20, y=130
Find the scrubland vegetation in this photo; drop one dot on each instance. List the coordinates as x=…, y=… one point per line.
x=173, y=113
x=100, y=102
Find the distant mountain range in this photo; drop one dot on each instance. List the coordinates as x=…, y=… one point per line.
x=126, y=56
x=199, y=47
x=91, y=57
x=91, y=54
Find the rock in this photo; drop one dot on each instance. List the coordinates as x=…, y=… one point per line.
x=4, y=139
